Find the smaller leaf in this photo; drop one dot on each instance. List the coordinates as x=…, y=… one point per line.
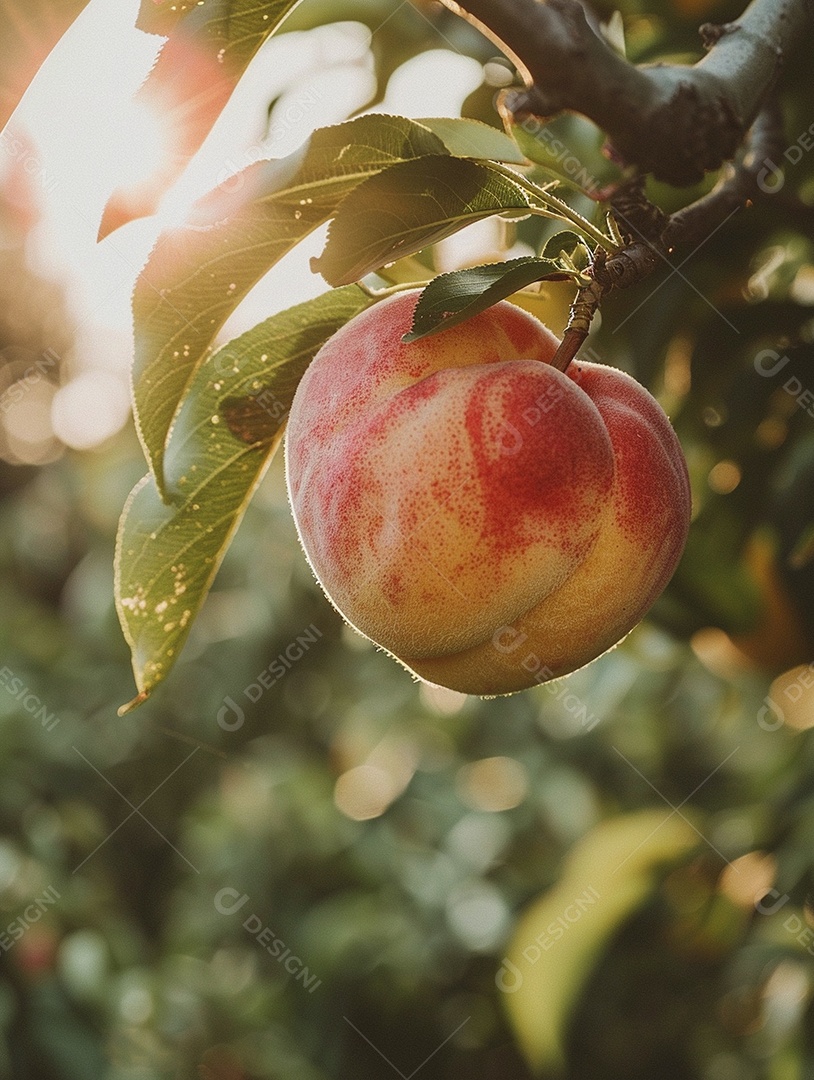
x=472, y=139
x=409, y=206
x=570, y=243
x=452, y=298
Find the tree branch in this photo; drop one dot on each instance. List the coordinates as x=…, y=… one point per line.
x=651, y=235
x=675, y=122
x=743, y=182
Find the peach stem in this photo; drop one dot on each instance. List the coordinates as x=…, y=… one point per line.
x=583, y=310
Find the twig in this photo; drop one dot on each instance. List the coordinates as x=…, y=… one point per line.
x=580, y=318
x=618, y=270
x=652, y=235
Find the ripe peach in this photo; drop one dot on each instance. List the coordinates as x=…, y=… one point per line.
x=489, y=520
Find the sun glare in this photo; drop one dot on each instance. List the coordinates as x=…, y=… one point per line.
x=90, y=409
x=87, y=135
x=142, y=146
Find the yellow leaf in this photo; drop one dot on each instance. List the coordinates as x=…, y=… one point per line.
x=561, y=936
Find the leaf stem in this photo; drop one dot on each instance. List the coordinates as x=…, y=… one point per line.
x=558, y=207
x=392, y=290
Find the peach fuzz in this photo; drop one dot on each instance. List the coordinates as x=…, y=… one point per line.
x=490, y=521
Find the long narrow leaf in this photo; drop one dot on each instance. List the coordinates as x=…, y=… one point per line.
x=609, y=873
x=227, y=432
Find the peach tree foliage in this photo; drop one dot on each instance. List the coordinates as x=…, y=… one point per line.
x=210, y=420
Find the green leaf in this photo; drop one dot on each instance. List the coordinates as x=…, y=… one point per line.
x=162, y=16
x=196, y=275
x=211, y=43
x=408, y=207
x=238, y=26
x=561, y=936
x=473, y=139
x=226, y=434
x=452, y=298
x=569, y=242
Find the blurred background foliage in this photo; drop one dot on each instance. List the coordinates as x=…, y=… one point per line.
x=400, y=851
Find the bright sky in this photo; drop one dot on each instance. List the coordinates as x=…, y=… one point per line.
x=89, y=138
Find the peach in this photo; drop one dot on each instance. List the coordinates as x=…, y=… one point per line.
x=490, y=521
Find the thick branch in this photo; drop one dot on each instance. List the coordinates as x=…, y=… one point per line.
x=675, y=122
x=743, y=182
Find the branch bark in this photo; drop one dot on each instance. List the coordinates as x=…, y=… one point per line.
x=743, y=182
x=676, y=122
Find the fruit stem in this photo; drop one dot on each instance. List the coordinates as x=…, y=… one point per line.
x=582, y=312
